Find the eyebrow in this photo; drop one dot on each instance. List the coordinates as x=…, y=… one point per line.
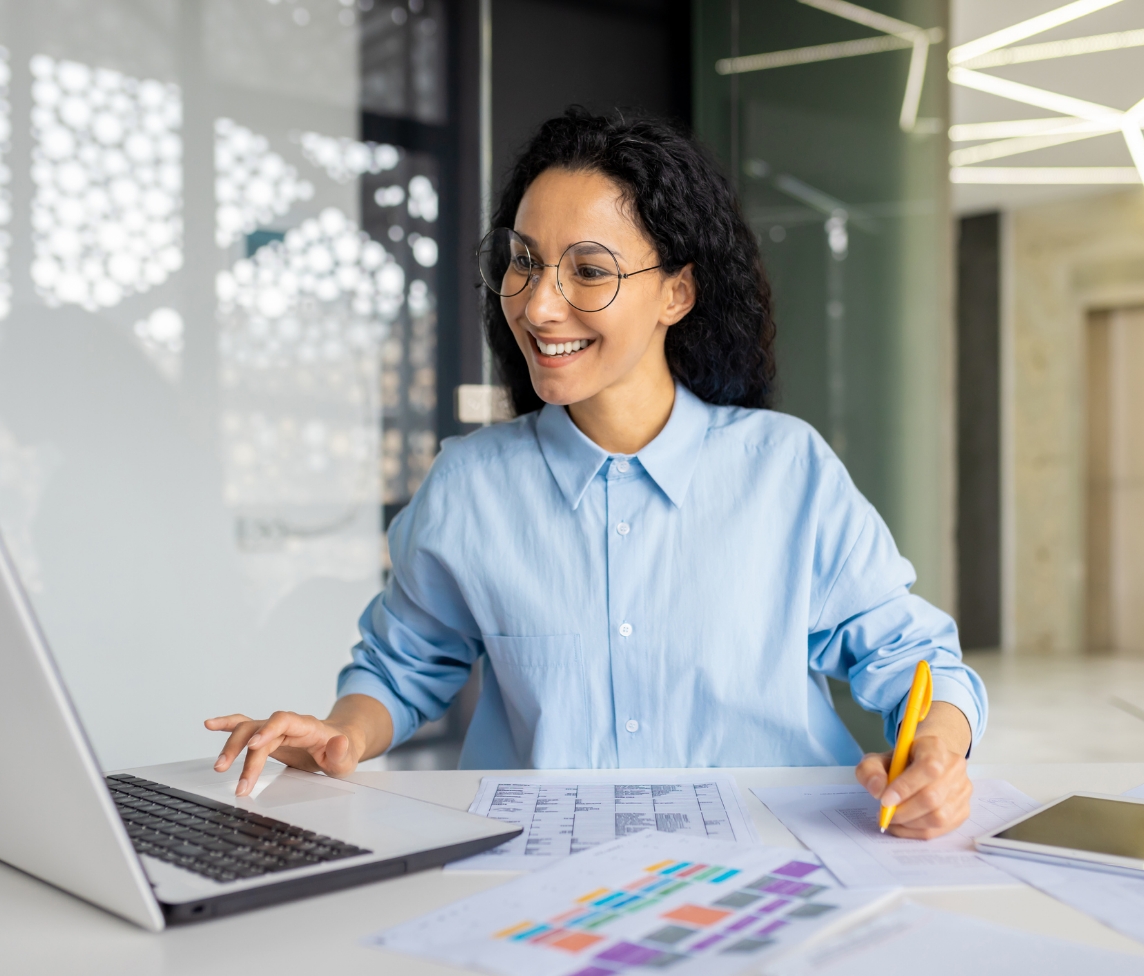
x=532, y=244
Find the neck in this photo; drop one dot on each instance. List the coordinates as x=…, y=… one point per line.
x=628, y=416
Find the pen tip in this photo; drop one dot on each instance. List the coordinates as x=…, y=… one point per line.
x=882, y=830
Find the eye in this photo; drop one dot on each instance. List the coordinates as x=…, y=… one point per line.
x=521, y=263
x=589, y=272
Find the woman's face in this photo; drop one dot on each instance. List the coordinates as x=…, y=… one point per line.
x=619, y=343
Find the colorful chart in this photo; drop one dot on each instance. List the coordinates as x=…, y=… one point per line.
x=710, y=907
x=749, y=929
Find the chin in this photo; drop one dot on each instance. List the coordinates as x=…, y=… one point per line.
x=558, y=394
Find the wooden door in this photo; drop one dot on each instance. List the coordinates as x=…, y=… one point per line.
x=1115, y=505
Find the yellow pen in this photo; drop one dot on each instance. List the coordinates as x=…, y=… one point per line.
x=917, y=708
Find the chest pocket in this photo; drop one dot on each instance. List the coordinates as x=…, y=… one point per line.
x=545, y=692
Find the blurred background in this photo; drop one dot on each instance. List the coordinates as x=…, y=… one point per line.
x=238, y=314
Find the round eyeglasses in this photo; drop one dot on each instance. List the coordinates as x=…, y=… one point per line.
x=587, y=273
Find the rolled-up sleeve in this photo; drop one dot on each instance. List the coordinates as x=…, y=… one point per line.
x=871, y=631
x=418, y=638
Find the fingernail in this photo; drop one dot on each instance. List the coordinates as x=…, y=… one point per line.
x=890, y=799
x=254, y=740
x=240, y=790
x=221, y=759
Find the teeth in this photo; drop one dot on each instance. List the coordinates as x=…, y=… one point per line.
x=561, y=348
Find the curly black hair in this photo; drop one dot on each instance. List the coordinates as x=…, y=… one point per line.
x=723, y=349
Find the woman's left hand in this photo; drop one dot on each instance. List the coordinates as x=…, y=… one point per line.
x=933, y=793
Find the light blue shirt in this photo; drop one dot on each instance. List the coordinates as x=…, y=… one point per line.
x=678, y=607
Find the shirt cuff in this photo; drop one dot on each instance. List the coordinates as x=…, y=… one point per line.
x=359, y=682
x=950, y=690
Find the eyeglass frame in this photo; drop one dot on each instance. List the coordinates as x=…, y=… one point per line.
x=620, y=275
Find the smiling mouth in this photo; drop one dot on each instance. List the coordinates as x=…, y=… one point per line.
x=561, y=350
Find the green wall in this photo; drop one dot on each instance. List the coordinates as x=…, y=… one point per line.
x=864, y=330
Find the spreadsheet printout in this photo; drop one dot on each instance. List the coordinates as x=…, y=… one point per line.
x=840, y=824
x=562, y=816
x=641, y=904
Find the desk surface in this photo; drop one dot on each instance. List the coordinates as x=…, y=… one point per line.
x=43, y=930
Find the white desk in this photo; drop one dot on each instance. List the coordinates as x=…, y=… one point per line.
x=43, y=931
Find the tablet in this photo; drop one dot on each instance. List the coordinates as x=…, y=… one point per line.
x=1082, y=829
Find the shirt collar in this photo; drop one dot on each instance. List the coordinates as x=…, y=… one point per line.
x=670, y=459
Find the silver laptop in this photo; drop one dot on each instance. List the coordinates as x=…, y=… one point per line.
x=168, y=844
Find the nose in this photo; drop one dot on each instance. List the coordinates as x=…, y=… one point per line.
x=545, y=303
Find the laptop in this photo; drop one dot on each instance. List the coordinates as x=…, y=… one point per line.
x=168, y=844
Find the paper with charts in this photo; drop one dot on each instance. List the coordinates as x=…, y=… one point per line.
x=561, y=816
x=915, y=941
x=638, y=905
x=840, y=824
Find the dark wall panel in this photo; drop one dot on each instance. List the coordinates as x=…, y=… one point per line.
x=979, y=432
x=549, y=54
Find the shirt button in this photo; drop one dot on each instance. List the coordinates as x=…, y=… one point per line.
x=622, y=466
x=632, y=725
x=623, y=528
x=625, y=630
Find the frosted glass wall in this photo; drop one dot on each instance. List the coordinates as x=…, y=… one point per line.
x=197, y=339
x=831, y=119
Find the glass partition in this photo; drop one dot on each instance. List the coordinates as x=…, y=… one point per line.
x=831, y=119
x=218, y=339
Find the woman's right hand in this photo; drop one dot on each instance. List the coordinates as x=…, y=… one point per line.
x=358, y=727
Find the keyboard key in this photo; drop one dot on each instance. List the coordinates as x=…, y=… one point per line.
x=212, y=839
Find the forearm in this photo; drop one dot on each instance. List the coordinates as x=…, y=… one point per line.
x=366, y=722
x=948, y=723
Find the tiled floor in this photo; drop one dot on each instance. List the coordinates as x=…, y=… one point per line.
x=1082, y=709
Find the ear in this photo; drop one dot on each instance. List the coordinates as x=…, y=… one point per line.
x=680, y=295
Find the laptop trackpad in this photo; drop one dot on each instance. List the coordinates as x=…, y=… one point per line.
x=290, y=787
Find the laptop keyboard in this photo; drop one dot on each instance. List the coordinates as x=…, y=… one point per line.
x=213, y=839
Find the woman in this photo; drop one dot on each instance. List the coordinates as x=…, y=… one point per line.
x=654, y=568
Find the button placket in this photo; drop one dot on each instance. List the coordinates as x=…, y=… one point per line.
x=626, y=491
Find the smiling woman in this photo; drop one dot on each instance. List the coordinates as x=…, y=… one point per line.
x=650, y=567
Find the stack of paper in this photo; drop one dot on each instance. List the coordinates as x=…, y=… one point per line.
x=562, y=815
x=840, y=824
x=642, y=903
x=917, y=941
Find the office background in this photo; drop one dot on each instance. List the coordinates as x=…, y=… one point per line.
x=237, y=296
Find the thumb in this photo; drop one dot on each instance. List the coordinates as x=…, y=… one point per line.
x=336, y=757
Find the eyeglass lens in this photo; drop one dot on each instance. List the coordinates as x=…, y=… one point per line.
x=587, y=274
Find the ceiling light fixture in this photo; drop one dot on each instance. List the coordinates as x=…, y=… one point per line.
x=1026, y=28
x=1021, y=128
x=1044, y=175
x=1014, y=147
x=1101, y=118
x=1094, y=44
x=899, y=36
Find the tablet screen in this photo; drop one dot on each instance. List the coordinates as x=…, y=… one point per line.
x=1086, y=823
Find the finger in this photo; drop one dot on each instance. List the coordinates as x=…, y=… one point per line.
x=335, y=758
x=872, y=771
x=941, y=810
x=235, y=743
x=278, y=730
x=929, y=761
x=225, y=723
x=252, y=768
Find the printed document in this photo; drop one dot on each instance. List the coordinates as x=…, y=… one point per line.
x=840, y=824
x=565, y=815
x=1117, y=900
x=913, y=940
x=638, y=905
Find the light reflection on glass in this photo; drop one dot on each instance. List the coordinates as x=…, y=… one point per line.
x=253, y=185
x=5, y=180
x=107, y=165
